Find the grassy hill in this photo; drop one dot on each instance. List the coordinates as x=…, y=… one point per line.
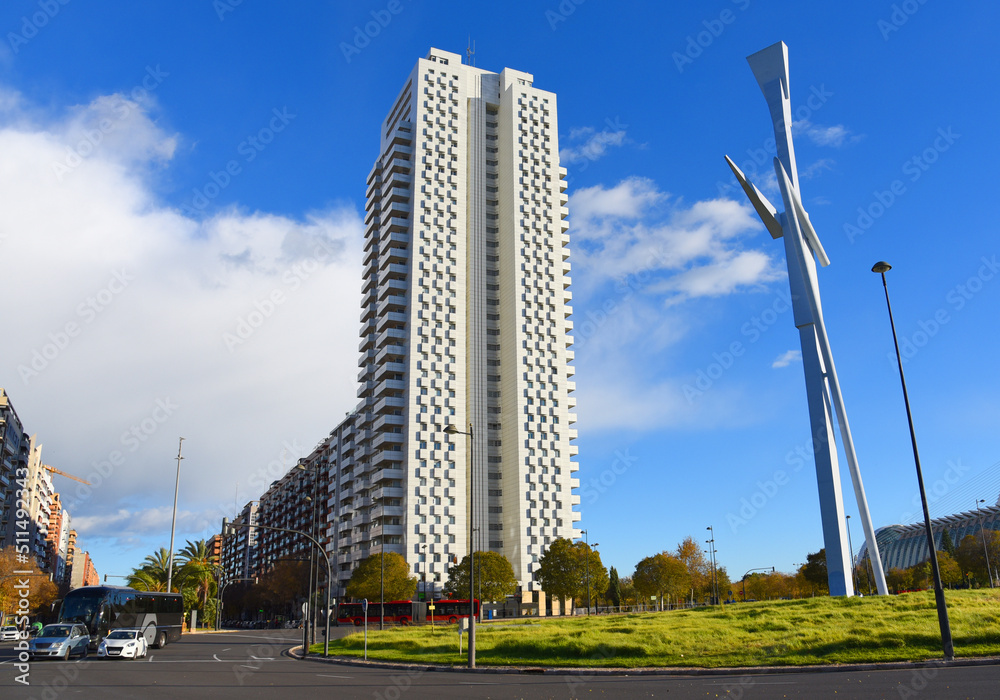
x=778, y=633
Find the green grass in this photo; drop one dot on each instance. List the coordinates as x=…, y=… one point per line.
x=778, y=633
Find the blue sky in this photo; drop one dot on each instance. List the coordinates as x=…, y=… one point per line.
x=169, y=167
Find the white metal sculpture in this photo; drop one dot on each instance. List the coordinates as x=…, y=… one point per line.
x=770, y=67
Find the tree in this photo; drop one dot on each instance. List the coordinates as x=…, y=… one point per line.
x=814, y=570
x=899, y=579
x=628, y=591
x=725, y=585
x=197, y=569
x=661, y=574
x=366, y=579
x=971, y=556
x=951, y=573
x=947, y=544
x=559, y=571
x=614, y=594
x=699, y=569
x=494, y=579
x=41, y=591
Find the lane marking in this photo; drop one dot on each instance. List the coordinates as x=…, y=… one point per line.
x=227, y=649
x=326, y=675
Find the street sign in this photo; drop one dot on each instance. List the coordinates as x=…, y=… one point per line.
x=430, y=607
x=364, y=605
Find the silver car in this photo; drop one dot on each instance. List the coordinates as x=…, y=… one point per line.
x=60, y=640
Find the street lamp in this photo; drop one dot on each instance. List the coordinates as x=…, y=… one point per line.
x=452, y=430
x=982, y=530
x=942, y=607
x=715, y=580
x=173, y=522
x=762, y=568
x=587, y=554
x=227, y=527
x=423, y=574
x=854, y=568
x=313, y=564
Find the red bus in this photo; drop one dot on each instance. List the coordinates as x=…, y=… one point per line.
x=452, y=611
x=401, y=612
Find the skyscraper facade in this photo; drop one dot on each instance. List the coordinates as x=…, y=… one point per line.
x=465, y=323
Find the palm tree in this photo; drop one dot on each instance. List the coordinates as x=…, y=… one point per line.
x=152, y=573
x=197, y=568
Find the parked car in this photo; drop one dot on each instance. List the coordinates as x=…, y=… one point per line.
x=61, y=640
x=123, y=643
x=9, y=632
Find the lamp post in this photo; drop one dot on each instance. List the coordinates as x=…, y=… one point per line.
x=854, y=568
x=715, y=580
x=587, y=554
x=313, y=568
x=942, y=607
x=452, y=430
x=173, y=522
x=381, y=584
x=423, y=574
x=329, y=569
x=982, y=530
x=762, y=568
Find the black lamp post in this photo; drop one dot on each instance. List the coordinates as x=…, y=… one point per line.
x=715, y=580
x=942, y=607
x=452, y=430
x=587, y=554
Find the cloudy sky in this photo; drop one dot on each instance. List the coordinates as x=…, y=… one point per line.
x=181, y=192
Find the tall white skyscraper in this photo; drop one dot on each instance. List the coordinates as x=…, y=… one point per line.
x=464, y=322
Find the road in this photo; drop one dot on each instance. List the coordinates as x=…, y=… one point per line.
x=251, y=664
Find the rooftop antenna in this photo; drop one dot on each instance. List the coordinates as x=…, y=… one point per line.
x=470, y=52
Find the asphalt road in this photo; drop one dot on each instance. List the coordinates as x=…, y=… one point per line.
x=252, y=664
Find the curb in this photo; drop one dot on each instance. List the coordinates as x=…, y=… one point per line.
x=295, y=652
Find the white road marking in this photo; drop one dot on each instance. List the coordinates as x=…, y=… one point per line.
x=255, y=668
x=227, y=649
x=260, y=658
x=325, y=675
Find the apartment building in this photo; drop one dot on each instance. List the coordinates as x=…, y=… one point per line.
x=15, y=450
x=239, y=549
x=464, y=323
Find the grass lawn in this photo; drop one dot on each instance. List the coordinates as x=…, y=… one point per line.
x=778, y=633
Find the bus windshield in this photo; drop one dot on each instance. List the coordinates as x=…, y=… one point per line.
x=82, y=609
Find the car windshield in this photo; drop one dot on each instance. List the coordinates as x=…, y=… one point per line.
x=56, y=631
x=122, y=634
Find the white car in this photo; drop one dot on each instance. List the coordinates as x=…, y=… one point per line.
x=126, y=643
x=9, y=632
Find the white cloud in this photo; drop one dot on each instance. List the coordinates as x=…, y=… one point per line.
x=835, y=136
x=595, y=144
x=787, y=358
x=683, y=251
x=135, y=324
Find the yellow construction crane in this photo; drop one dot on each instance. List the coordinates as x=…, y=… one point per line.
x=48, y=468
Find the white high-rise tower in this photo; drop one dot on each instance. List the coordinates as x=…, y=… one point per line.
x=465, y=322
